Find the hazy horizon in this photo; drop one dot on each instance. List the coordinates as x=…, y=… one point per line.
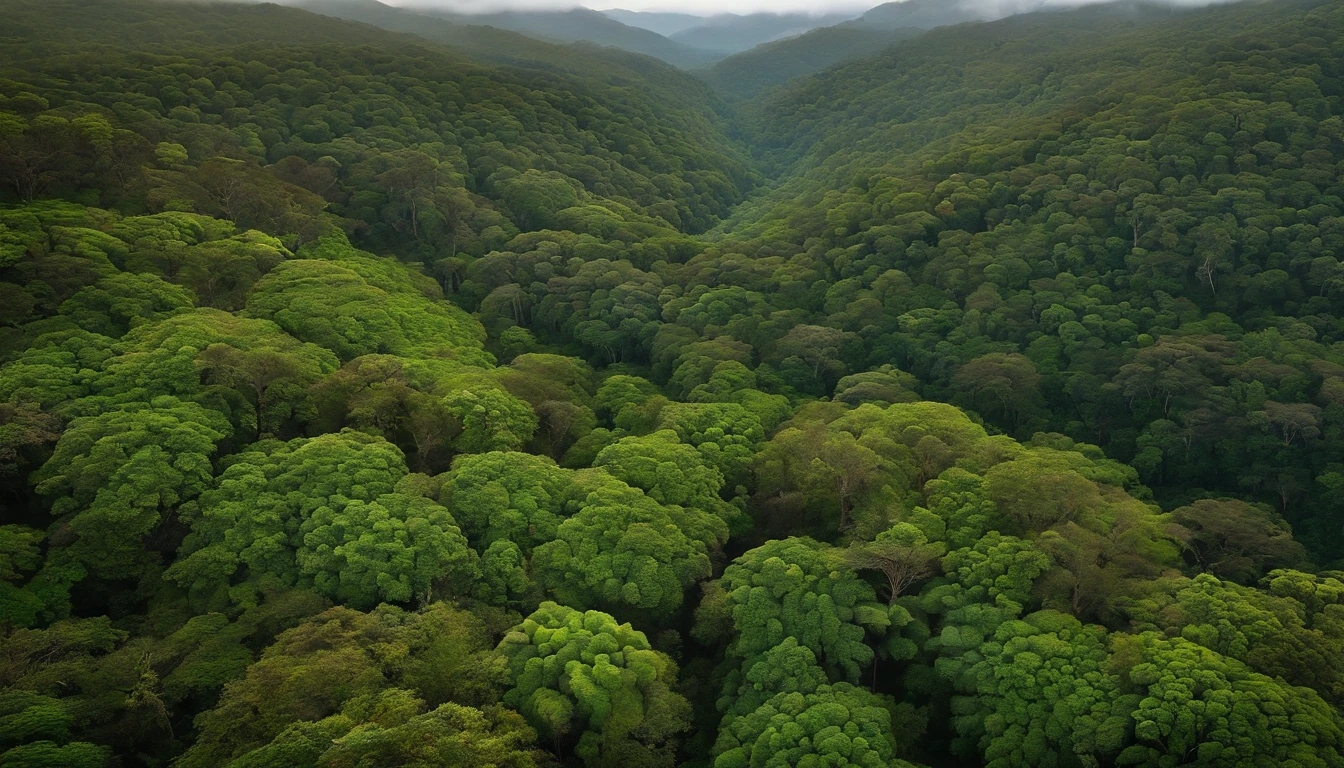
x=693, y=7
x=719, y=7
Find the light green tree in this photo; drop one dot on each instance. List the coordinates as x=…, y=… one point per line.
x=505, y=496
x=330, y=511
x=834, y=725
x=115, y=475
x=491, y=419
x=581, y=675
x=623, y=549
x=793, y=588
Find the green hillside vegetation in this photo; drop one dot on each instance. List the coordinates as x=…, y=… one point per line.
x=455, y=399
x=734, y=33
x=928, y=14
x=1088, y=256
x=747, y=74
x=568, y=26
x=613, y=65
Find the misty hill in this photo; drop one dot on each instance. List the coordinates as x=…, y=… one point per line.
x=927, y=14
x=665, y=24
x=746, y=74
x=150, y=24
x=582, y=24
x=734, y=33
x=500, y=46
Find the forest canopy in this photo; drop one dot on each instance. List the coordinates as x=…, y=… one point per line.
x=378, y=399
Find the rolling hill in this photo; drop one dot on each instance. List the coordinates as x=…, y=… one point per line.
x=732, y=33
x=747, y=74
x=578, y=24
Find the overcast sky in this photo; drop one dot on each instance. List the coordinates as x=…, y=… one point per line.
x=699, y=7
x=711, y=7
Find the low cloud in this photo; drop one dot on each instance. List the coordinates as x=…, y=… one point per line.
x=486, y=6
x=982, y=8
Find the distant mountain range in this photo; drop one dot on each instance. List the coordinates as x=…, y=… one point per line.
x=739, y=55
x=733, y=33
x=665, y=24
x=743, y=75
x=927, y=14
x=582, y=24
x=728, y=32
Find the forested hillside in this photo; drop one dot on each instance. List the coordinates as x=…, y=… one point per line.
x=371, y=398
x=733, y=33
x=1124, y=236
x=749, y=73
x=568, y=26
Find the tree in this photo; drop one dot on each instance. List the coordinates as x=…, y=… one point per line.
x=831, y=467
x=491, y=419
x=222, y=272
x=1034, y=493
x=390, y=397
x=1189, y=700
x=997, y=570
x=819, y=347
x=1235, y=540
x=331, y=302
x=1038, y=693
x=786, y=668
x=335, y=672
x=50, y=152
x=258, y=370
x=1269, y=633
x=1002, y=386
x=581, y=674
x=726, y=434
x=902, y=553
x=1174, y=371
x=25, y=432
x=397, y=548
x=504, y=576
x=242, y=192
x=162, y=358
x=1294, y=421
x=884, y=386
x=669, y=471
x=793, y=588
x=847, y=466
x=609, y=307
x=331, y=511
x=78, y=754
x=535, y=197
x=622, y=549
x=834, y=725
x=957, y=508
x=84, y=681
x=410, y=185
x=119, y=302
x=114, y=477
x=501, y=496
x=450, y=734
x=559, y=390
x=19, y=551
x=621, y=391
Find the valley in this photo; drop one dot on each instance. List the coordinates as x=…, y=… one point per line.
x=931, y=385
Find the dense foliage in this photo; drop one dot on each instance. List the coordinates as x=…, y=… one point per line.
x=370, y=399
